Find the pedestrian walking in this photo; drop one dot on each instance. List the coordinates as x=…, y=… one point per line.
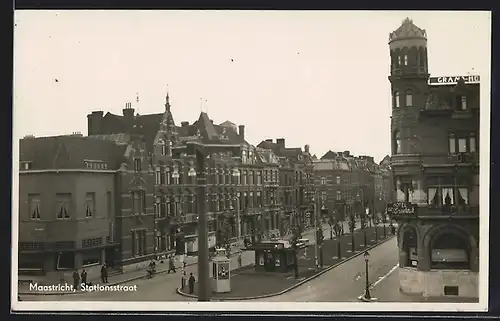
x=239, y=260
x=171, y=265
x=76, y=279
x=104, y=273
x=84, y=276
x=191, y=282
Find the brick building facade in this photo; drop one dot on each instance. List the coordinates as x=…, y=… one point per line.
x=67, y=204
x=351, y=184
x=434, y=130
x=292, y=186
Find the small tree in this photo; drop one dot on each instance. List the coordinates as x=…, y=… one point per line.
x=376, y=222
x=352, y=226
x=296, y=236
x=384, y=222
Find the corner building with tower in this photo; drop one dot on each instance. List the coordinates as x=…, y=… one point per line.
x=435, y=165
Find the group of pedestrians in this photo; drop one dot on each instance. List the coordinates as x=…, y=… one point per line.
x=81, y=278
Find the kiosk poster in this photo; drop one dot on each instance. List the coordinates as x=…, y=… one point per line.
x=223, y=271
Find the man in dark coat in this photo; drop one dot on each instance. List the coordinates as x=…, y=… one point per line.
x=84, y=276
x=76, y=279
x=191, y=282
x=104, y=273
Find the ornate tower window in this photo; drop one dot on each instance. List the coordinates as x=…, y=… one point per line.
x=397, y=142
x=396, y=99
x=408, y=98
x=163, y=148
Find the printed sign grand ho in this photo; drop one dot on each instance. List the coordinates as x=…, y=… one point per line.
x=452, y=80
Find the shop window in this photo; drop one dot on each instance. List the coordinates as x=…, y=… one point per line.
x=91, y=257
x=450, y=251
x=65, y=260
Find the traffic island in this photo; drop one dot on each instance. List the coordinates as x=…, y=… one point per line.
x=248, y=284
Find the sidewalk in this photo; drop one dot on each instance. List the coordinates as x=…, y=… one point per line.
x=247, y=284
x=137, y=273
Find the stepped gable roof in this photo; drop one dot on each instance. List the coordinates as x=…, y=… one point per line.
x=69, y=152
x=407, y=30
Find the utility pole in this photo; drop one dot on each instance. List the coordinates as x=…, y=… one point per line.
x=315, y=208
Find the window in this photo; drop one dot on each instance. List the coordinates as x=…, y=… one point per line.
x=259, y=178
x=450, y=251
x=462, y=143
x=168, y=209
x=406, y=60
x=164, y=148
x=158, y=207
x=452, y=144
x=65, y=260
x=91, y=257
x=138, y=242
x=323, y=180
x=463, y=105
x=34, y=206
x=409, y=98
x=447, y=190
x=63, y=203
x=323, y=197
x=89, y=204
x=396, y=99
x=158, y=176
x=472, y=143
x=339, y=196
x=244, y=177
x=109, y=204
x=397, y=143
x=139, y=202
x=338, y=180
x=137, y=165
x=167, y=177
x=399, y=60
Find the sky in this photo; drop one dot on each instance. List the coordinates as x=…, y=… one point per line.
x=311, y=77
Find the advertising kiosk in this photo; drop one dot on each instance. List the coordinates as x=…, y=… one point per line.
x=221, y=272
x=274, y=256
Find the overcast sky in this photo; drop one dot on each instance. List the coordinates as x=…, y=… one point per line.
x=312, y=77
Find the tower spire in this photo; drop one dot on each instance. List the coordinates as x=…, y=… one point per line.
x=167, y=101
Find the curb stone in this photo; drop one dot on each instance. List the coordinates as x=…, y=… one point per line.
x=245, y=298
x=110, y=284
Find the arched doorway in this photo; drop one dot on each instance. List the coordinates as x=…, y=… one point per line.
x=409, y=246
x=450, y=251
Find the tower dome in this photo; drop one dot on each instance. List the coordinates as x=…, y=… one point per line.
x=407, y=35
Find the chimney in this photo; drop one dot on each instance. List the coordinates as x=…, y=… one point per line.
x=280, y=142
x=128, y=111
x=346, y=153
x=94, y=122
x=269, y=140
x=241, y=131
x=339, y=154
x=185, y=124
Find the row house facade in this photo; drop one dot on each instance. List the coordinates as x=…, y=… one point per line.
x=349, y=185
x=295, y=190
x=435, y=167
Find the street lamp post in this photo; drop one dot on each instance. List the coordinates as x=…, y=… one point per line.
x=315, y=209
x=367, y=296
x=236, y=174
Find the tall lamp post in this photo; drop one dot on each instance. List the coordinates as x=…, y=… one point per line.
x=366, y=297
x=236, y=174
